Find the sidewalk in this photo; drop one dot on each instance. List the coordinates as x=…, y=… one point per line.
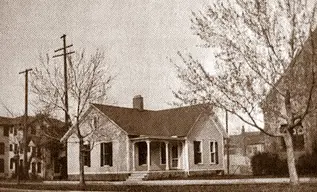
x=192, y=182
x=164, y=185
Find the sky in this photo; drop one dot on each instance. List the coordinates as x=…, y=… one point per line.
x=138, y=38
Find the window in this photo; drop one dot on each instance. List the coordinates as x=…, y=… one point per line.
x=197, y=152
x=11, y=129
x=12, y=161
x=21, y=164
x=39, y=167
x=233, y=151
x=1, y=148
x=56, y=166
x=163, y=153
x=33, y=150
x=15, y=131
x=86, y=154
x=38, y=152
x=255, y=150
x=6, y=131
x=11, y=147
x=95, y=121
x=15, y=148
x=214, y=152
x=142, y=153
x=33, y=168
x=1, y=165
x=106, y=154
x=33, y=130
x=174, y=155
x=298, y=140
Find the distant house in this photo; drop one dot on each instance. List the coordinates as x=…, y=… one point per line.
x=304, y=136
x=5, y=126
x=165, y=143
x=241, y=149
x=45, y=152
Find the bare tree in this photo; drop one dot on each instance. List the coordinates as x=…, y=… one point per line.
x=89, y=80
x=263, y=49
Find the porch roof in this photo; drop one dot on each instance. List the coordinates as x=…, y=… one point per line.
x=157, y=138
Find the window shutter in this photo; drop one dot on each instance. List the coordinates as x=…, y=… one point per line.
x=1, y=165
x=216, y=151
x=1, y=148
x=11, y=163
x=89, y=158
x=6, y=131
x=39, y=167
x=101, y=154
x=110, y=149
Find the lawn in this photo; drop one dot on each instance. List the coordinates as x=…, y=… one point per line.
x=219, y=188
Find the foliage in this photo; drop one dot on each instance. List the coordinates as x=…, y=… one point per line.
x=268, y=164
x=307, y=164
x=265, y=64
x=253, y=51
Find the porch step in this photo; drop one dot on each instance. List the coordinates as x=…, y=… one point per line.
x=137, y=177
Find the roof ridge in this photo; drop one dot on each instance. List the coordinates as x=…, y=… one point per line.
x=168, y=109
x=119, y=107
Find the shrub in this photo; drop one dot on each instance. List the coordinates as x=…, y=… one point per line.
x=268, y=164
x=307, y=164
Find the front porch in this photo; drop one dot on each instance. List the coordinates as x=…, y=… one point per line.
x=158, y=154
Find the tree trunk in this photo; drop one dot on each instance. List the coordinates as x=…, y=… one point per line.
x=291, y=159
x=81, y=163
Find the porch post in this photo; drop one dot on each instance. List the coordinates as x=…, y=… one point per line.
x=133, y=156
x=148, y=155
x=166, y=156
x=186, y=156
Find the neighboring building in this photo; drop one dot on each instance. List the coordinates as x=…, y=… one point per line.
x=45, y=152
x=242, y=148
x=299, y=76
x=5, y=126
x=165, y=143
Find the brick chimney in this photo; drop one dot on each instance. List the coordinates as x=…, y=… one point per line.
x=138, y=102
x=242, y=130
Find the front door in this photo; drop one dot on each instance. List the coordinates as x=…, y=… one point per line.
x=174, y=156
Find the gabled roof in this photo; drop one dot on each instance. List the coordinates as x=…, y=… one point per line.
x=55, y=129
x=169, y=122
x=5, y=120
x=247, y=138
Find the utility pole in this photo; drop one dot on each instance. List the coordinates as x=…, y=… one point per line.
x=64, y=54
x=67, y=121
x=228, y=154
x=25, y=130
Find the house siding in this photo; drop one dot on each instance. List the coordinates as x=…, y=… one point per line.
x=205, y=131
x=110, y=133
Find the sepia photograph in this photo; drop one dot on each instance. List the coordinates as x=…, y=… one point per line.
x=205, y=95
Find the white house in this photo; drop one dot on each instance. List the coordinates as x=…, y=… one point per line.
x=127, y=141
